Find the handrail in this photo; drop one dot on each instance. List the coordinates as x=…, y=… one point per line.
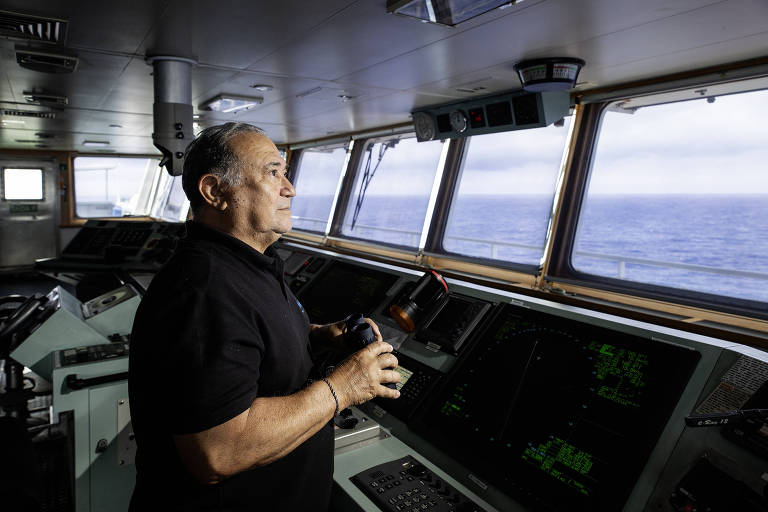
x=622, y=261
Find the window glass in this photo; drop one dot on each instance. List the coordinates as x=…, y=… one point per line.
x=22, y=184
x=315, y=184
x=503, y=203
x=171, y=202
x=391, y=191
x=677, y=197
x=114, y=186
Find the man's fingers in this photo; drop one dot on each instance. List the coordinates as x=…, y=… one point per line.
x=386, y=392
x=388, y=360
x=390, y=377
x=375, y=329
x=379, y=347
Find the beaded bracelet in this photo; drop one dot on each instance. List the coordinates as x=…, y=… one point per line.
x=336, y=398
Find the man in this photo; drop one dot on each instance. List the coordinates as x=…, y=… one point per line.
x=226, y=410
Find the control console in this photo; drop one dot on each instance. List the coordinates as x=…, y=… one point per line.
x=91, y=353
x=406, y=485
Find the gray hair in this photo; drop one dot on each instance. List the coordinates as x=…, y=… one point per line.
x=211, y=153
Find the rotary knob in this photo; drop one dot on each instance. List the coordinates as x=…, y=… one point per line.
x=424, y=126
x=458, y=121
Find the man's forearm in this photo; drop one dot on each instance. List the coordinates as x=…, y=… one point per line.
x=270, y=429
x=276, y=426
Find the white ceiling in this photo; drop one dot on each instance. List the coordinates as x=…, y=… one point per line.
x=389, y=64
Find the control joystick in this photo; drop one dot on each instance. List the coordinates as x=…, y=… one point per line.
x=359, y=334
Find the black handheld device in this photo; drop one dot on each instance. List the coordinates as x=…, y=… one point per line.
x=359, y=334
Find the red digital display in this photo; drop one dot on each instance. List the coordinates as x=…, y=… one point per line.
x=477, y=117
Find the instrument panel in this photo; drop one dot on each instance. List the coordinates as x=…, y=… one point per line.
x=529, y=405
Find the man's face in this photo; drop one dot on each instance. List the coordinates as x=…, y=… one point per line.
x=261, y=204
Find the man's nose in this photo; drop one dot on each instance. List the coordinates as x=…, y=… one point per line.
x=288, y=190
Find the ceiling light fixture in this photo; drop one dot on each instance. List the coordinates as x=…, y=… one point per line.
x=550, y=74
x=42, y=98
x=229, y=104
x=13, y=121
x=95, y=143
x=262, y=87
x=445, y=12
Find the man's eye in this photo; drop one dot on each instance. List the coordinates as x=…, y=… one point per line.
x=273, y=172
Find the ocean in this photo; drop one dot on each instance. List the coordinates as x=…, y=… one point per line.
x=708, y=243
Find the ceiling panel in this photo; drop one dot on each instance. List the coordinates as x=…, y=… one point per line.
x=95, y=76
x=724, y=52
x=133, y=91
x=233, y=33
x=314, y=52
x=525, y=34
x=240, y=84
x=474, y=84
x=326, y=53
x=366, y=115
x=113, y=26
x=657, y=47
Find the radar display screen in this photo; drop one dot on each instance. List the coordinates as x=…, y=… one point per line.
x=342, y=289
x=558, y=414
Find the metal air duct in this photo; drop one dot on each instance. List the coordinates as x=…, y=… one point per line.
x=172, y=109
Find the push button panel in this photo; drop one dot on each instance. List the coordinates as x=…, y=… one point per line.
x=406, y=485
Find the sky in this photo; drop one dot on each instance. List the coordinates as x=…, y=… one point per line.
x=692, y=147
x=110, y=178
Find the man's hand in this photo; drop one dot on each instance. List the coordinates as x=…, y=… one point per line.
x=361, y=376
x=333, y=334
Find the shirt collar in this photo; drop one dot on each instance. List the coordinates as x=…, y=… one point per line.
x=199, y=231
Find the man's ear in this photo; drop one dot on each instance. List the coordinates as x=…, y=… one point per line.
x=210, y=189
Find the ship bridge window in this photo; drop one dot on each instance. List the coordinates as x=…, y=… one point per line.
x=22, y=184
x=316, y=180
x=676, y=200
x=392, y=189
x=503, y=202
x=170, y=202
x=115, y=186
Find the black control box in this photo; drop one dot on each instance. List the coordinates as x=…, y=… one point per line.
x=406, y=485
x=451, y=323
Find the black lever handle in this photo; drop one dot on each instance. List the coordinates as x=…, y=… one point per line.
x=75, y=384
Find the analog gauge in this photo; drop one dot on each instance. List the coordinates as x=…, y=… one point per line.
x=424, y=125
x=458, y=121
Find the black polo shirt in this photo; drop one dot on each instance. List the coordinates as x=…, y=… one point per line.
x=216, y=329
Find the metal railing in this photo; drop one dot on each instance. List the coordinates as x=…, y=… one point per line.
x=360, y=228
x=622, y=262
x=495, y=246
x=320, y=223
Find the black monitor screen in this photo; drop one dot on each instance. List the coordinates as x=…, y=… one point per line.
x=558, y=414
x=342, y=289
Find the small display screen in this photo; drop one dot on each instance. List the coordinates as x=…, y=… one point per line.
x=499, y=113
x=444, y=123
x=405, y=374
x=477, y=117
x=343, y=289
x=558, y=414
x=526, y=109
